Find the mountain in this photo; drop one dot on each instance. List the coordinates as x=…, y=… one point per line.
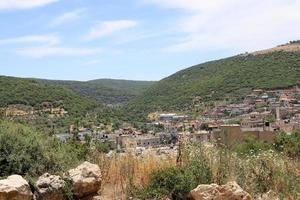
x=34, y=93
x=106, y=91
x=231, y=77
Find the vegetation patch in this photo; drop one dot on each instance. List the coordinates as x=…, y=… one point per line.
x=25, y=151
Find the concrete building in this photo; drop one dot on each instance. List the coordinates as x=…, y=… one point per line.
x=230, y=134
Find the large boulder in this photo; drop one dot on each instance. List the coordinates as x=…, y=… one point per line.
x=49, y=187
x=229, y=191
x=15, y=188
x=86, y=179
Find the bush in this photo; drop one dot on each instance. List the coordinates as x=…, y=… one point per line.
x=288, y=144
x=172, y=182
x=177, y=182
x=25, y=151
x=102, y=147
x=198, y=165
x=250, y=146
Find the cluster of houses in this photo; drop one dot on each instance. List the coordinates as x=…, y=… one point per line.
x=271, y=110
x=123, y=138
x=261, y=114
x=20, y=110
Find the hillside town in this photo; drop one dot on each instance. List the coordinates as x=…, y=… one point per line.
x=261, y=114
x=149, y=100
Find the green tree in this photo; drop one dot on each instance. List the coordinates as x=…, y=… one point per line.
x=26, y=151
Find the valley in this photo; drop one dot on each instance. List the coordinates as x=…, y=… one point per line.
x=149, y=100
x=230, y=119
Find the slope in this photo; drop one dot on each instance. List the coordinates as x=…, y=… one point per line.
x=216, y=80
x=31, y=92
x=107, y=91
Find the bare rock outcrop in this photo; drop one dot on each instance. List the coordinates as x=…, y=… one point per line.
x=15, y=188
x=50, y=187
x=86, y=179
x=229, y=191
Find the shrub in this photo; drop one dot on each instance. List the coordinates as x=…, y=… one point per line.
x=177, y=182
x=198, y=165
x=173, y=182
x=102, y=147
x=25, y=151
x=288, y=144
x=250, y=146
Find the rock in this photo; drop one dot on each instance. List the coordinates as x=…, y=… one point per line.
x=15, y=188
x=232, y=191
x=93, y=198
x=229, y=191
x=205, y=192
x=86, y=179
x=49, y=187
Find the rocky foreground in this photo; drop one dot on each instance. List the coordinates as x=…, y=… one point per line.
x=84, y=182
x=230, y=191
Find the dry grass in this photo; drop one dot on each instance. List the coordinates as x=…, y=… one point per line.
x=285, y=48
x=122, y=172
x=257, y=174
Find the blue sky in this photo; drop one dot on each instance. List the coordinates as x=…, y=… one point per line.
x=135, y=39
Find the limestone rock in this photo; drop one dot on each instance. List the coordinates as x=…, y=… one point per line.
x=232, y=191
x=93, y=198
x=205, y=192
x=86, y=179
x=50, y=187
x=15, y=188
x=229, y=191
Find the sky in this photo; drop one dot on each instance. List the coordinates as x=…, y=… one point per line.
x=135, y=39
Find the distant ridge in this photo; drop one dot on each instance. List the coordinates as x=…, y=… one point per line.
x=106, y=91
x=293, y=46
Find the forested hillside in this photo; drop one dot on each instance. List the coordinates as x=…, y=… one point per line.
x=216, y=80
x=33, y=93
x=106, y=91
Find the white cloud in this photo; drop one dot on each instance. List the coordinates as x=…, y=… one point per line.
x=49, y=39
x=40, y=46
x=108, y=28
x=67, y=17
x=41, y=52
x=23, y=4
x=233, y=24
